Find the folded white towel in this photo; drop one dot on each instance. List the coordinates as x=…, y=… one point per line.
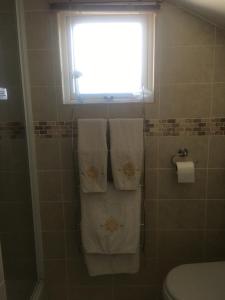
x=112, y=264
x=110, y=222
x=92, y=155
x=126, y=136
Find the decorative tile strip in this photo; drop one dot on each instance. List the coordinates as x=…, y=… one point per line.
x=153, y=127
x=177, y=127
x=52, y=129
x=12, y=130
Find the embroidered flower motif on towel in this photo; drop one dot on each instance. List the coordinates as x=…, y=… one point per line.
x=92, y=172
x=128, y=169
x=111, y=225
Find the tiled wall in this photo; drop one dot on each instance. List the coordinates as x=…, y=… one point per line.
x=184, y=222
x=2, y=279
x=16, y=227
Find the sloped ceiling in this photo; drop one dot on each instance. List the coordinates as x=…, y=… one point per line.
x=213, y=10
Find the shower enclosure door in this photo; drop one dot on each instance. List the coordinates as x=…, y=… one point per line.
x=16, y=221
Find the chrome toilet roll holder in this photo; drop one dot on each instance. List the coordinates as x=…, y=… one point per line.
x=181, y=153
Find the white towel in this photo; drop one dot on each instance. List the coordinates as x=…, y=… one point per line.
x=126, y=136
x=98, y=264
x=92, y=155
x=110, y=222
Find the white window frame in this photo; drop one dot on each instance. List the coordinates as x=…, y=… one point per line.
x=66, y=18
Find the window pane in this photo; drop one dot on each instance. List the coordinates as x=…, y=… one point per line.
x=109, y=57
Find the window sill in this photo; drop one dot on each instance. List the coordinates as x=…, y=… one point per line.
x=116, y=101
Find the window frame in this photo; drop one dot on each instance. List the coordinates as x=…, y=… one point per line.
x=66, y=18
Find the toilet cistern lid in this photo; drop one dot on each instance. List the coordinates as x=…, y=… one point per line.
x=200, y=281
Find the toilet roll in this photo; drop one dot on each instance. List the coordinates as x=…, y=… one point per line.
x=185, y=172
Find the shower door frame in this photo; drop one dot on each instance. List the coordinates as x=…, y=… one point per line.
x=25, y=76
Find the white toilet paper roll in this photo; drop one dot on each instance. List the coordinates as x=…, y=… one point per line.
x=186, y=172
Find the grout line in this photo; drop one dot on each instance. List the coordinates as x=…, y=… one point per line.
x=64, y=220
x=209, y=143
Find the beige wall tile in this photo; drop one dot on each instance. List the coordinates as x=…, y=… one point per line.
x=50, y=186
x=216, y=152
x=48, y=157
x=169, y=188
x=55, y=272
x=78, y=275
x=20, y=289
x=8, y=35
x=196, y=145
x=53, y=245
x=121, y=110
x=216, y=188
x=15, y=104
x=151, y=152
x=19, y=215
x=186, y=65
x=72, y=215
x=68, y=155
x=215, y=214
x=14, y=186
x=41, y=65
x=7, y=5
x=55, y=292
x=52, y=217
x=22, y=268
x=150, y=244
x=151, y=184
x=185, y=101
x=182, y=28
x=215, y=245
x=19, y=159
x=133, y=293
x=220, y=36
x=36, y=5
x=41, y=24
x=218, y=107
x=148, y=275
x=17, y=244
x=73, y=245
x=151, y=213
x=219, y=75
x=176, y=214
x=44, y=103
x=5, y=154
x=69, y=187
x=151, y=110
x=90, y=111
x=10, y=70
x=66, y=112
x=180, y=244
x=96, y=293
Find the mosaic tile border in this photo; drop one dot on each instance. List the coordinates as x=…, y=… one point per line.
x=12, y=130
x=153, y=127
x=185, y=127
x=52, y=129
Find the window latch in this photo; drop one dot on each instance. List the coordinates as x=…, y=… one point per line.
x=109, y=98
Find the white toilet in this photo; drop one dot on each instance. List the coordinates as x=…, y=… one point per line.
x=200, y=281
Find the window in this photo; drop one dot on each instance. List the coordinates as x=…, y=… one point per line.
x=107, y=57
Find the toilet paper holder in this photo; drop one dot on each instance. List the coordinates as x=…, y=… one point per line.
x=181, y=153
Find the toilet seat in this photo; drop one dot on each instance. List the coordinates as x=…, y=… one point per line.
x=200, y=281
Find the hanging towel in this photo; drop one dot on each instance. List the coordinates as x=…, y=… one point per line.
x=126, y=136
x=110, y=222
x=98, y=264
x=92, y=155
